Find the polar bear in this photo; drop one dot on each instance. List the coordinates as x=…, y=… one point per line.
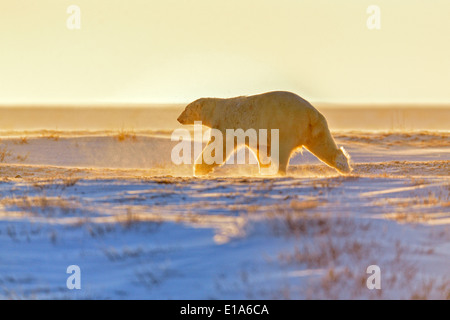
x=299, y=124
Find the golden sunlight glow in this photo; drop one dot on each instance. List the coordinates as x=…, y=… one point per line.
x=174, y=51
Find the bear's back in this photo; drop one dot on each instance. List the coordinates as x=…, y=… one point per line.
x=281, y=100
x=268, y=110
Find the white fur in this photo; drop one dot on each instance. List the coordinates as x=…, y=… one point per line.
x=299, y=124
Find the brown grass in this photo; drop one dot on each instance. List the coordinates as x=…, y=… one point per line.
x=22, y=158
x=327, y=244
x=70, y=182
x=123, y=135
x=4, y=153
x=40, y=205
x=21, y=140
x=51, y=136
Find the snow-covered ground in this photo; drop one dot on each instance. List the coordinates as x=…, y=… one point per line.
x=140, y=227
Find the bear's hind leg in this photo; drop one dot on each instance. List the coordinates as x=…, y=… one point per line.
x=262, y=157
x=282, y=162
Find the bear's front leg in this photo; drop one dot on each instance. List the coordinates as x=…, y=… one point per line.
x=212, y=156
x=201, y=169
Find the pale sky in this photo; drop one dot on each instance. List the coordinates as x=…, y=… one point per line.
x=152, y=51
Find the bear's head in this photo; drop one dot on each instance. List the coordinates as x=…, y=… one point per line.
x=343, y=161
x=192, y=112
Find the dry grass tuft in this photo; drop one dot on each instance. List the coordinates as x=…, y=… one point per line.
x=70, y=182
x=51, y=136
x=123, y=135
x=40, y=205
x=4, y=153
x=21, y=140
